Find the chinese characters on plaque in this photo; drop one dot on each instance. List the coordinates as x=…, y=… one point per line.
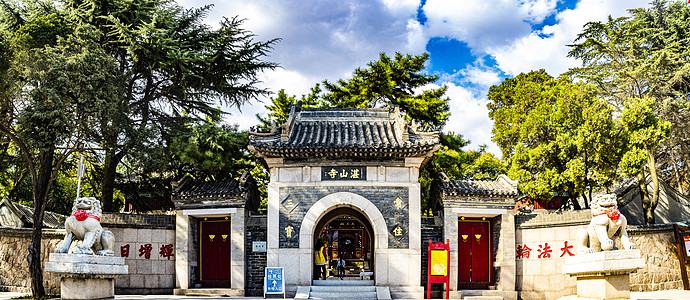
x=343, y=173
x=543, y=250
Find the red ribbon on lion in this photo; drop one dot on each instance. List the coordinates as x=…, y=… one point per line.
x=612, y=212
x=81, y=215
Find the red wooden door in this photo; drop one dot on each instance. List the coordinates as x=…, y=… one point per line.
x=215, y=253
x=474, y=255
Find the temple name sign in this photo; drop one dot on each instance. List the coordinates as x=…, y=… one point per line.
x=343, y=173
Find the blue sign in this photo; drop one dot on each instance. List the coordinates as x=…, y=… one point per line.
x=273, y=281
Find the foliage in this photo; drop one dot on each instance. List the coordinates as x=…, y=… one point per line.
x=638, y=58
x=55, y=79
x=171, y=65
x=208, y=150
x=555, y=134
x=280, y=106
x=396, y=81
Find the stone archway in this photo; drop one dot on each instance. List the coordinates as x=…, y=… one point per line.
x=337, y=201
x=343, y=199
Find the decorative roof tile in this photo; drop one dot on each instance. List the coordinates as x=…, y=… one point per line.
x=343, y=132
x=501, y=187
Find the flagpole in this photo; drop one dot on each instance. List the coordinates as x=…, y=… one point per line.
x=80, y=173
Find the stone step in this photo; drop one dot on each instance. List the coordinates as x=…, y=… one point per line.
x=342, y=295
x=484, y=295
x=343, y=289
x=209, y=292
x=343, y=283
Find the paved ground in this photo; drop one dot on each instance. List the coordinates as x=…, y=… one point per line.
x=671, y=295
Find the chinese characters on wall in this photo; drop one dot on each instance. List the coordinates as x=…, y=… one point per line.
x=146, y=251
x=343, y=173
x=543, y=250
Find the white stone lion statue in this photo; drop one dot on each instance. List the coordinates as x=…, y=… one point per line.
x=85, y=224
x=607, y=224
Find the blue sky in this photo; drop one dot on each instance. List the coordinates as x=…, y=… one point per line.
x=473, y=44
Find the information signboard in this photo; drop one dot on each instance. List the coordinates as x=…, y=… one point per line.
x=259, y=246
x=686, y=240
x=438, y=262
x=274, y=282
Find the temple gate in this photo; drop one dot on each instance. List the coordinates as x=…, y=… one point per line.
x=348, y=178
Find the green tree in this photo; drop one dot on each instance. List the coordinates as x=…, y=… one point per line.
x=209, y=151
x=555, y=134
x=55, y=80
x=644, y=131
x=280, y=106
x=396, y=81
x=171, y=64
x=458, y=164
x=664, y=28
x=629, y=60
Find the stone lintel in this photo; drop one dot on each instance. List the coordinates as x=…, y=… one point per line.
x=604, y=263
x=209, y=212
x=478, y=212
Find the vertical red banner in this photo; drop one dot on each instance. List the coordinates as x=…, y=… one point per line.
x=438, y=262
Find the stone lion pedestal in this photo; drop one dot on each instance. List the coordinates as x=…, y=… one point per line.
x=604, y=275
x=86, y=276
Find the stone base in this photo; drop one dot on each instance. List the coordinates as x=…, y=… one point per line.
x=604, y=275
x=80, y=288
x=604, y=287
x=86, y=276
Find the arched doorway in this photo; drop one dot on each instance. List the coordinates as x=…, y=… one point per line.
x=347, y=233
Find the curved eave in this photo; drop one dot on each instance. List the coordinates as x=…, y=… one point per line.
x=375, y=151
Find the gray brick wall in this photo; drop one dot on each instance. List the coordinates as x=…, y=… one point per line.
x=119, y=220
x=433, y=231
x=564, y=218
x=255, y=230
x=304, y=197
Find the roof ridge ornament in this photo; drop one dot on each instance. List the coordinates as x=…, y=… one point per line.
x=294, y=109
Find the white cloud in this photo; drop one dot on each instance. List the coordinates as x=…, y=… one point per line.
x=416, y=37
x=483, y=24
x=470, y=117
x=549, y=51
x=482, y=77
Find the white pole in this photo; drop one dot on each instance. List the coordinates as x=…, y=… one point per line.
x=80, y=173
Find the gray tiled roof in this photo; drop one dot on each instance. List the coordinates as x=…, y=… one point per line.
x=188, y=188
x=26, y=214
x=227, y=192
x=343, y=132
x=501, y=187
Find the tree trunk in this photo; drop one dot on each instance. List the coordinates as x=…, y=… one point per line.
x=112, y=159
x=644, y=196
x=575, y=202
x=651, y=161
x=676, y=172
x=40, y=192
x=109, y=173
